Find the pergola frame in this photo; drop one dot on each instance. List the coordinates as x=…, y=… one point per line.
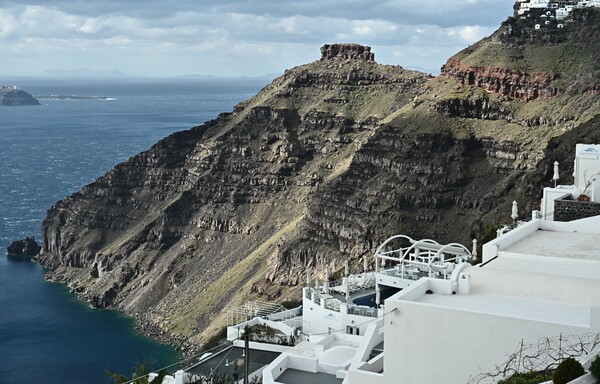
x=425, y=254
x=253, y=309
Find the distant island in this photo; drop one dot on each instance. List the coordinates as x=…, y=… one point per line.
x=11, y=96
x=73, y=97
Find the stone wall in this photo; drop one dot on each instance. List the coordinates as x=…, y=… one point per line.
x=568, y=210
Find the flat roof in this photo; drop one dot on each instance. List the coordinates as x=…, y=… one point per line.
x=524, y=292
x=569, y=245
x=509, y=306
x=571, y=254
x=294, y=376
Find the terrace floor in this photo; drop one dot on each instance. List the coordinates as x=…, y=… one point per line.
x=294, y=376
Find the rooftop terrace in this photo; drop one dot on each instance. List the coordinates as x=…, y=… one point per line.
x=231, y=360
x=294, y=376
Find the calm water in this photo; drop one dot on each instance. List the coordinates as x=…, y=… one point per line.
x=50, y=151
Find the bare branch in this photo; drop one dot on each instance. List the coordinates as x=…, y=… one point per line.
x=544, y=355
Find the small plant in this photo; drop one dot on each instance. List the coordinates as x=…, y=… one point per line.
x=568, y=370
x=595, y=367
x=140, y=376
x=487, y=233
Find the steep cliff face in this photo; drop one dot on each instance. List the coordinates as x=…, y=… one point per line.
x=317, y=168
x=177, y=233
x=503, y=81
x=526, y=60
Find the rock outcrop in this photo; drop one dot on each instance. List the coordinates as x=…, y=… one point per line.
x=13, y=96
x=477, y=108
x=346, y=52
x=508, y=83
x=25, y=247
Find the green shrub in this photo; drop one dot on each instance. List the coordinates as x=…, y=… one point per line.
x=568, y=370
x=595, y=367
x=291, y=304
x=525, y=378
x=216, y=339
x=485, y=234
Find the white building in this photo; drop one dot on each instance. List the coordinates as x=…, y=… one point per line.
x=526, y=6
x=588, y=3
x=586, y=181
x=447, y=321
x=561, y=10
x=539, y=280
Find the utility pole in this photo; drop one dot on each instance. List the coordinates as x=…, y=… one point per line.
x=246, y=356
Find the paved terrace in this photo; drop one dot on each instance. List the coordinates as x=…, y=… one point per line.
x=223, y=362
x=571, y=254
x=294, y=376
x=527, y=309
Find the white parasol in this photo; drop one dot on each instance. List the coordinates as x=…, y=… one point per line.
x=515, y=211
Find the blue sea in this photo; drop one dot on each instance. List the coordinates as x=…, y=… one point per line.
x=48, y=152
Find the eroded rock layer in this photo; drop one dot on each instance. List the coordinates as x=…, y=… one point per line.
x=503, y=81
x=524, y=60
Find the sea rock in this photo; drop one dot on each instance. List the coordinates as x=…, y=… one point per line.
x=25, y=247
x=13, y=96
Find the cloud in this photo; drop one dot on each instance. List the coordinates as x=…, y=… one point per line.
x=469, y=33
x=214, y=32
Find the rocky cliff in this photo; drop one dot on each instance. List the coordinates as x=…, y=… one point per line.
x=12, y=96
x=317, y=168
x=527, y=59
x=508, y=83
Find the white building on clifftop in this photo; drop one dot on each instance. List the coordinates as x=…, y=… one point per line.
x=549, y=9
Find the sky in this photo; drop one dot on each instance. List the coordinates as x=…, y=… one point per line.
x=232, y=37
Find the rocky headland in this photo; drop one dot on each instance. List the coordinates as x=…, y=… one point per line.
x=319, y=167
x=13, y=96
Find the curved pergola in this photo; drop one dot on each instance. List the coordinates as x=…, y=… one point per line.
x=426, y=254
